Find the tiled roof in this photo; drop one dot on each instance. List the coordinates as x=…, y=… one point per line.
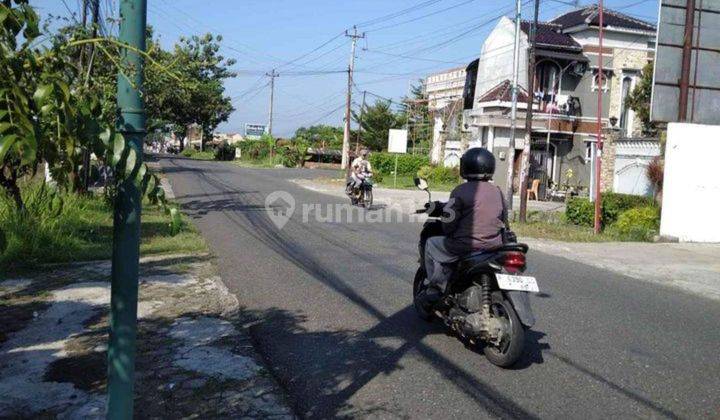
x=503, y=92
x=589, y=15
x=550, y=34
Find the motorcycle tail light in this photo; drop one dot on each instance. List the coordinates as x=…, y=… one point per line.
x=514, y=262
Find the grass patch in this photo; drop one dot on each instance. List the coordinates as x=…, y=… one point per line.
x=407, y=182
x=197, y=154
x=265, y=162
x=554, y=226
x=80, y=229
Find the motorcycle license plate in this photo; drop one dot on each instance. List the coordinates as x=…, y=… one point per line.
x=523, y=283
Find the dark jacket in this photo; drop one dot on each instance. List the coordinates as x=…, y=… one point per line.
x=474, y=217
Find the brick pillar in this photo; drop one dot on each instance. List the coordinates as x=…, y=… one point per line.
x=608, y=159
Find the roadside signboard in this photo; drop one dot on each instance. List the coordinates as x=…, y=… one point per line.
x=255, y=131
x=397, y=141
x=703, y=99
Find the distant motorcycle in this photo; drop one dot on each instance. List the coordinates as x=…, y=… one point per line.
x=362, y=195
x=485, y=299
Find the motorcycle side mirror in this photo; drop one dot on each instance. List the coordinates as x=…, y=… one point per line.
x=421, y=184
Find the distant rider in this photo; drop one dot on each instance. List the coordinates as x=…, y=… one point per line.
x=359, y=170
x=473, y=220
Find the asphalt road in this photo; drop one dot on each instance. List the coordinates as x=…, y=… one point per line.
x=331, y=304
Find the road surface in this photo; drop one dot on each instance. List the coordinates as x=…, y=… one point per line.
x=331, y=304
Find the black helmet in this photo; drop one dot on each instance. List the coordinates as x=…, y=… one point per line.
x=477, y=164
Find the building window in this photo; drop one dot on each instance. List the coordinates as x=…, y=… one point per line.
x=596, y=80
x=588, y=151
x=627, y=85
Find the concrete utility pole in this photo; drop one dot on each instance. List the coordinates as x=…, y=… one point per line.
x=272, y=75
x=126, y=220
x=362, y=112
x=346, y=134
x=513, y=111
x=686, y=58
x=599, y=143
x=525, y=165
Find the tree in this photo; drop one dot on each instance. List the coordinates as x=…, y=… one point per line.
x=639, y=99
x=418, y=115
x=201, y=65
x=324, y=136
x=377, y=120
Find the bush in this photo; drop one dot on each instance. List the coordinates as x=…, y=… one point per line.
x=640, y=223
x=255, y=149
x=187, y=152
x=439, y=174
x=581, y=211
x=225, y=152
x=407, y=164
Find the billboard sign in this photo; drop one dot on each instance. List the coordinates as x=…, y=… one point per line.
x=255, y=131
x=397, y=141
x=703, y=98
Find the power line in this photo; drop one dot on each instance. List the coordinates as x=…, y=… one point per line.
x=398, y=13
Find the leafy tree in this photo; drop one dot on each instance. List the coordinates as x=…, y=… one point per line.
x=639, y=99
x=377, y=120
x=417, y=113
x=320, y=136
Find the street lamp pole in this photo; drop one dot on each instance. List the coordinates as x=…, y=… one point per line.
x=126, y=221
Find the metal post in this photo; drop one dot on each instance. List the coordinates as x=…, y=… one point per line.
x=686, y=56
x=525, y=164
x=513, y=112
x=126, y=223
x=599, y=143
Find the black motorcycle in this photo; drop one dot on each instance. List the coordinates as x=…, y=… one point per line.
x=485, y=300
x=362, y=195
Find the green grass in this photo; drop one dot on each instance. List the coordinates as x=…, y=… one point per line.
x=553, y=226
x=80, y=230
x=266, y=162
x=199, y=155
x=407, y=182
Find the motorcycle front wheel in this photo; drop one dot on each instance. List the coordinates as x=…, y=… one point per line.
x=511, y=347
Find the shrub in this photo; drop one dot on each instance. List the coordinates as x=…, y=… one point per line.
x=407, y=164
x=255, y=149
x=581, y=211
x=439, y=174
x=187, y=152
x=640, y=223
x=656, y=173
x=225, y=152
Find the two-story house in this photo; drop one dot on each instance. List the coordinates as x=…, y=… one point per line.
x=565, y=105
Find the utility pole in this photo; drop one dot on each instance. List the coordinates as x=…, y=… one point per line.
x=686, y=58
x=362, y=112
x=126, y=220
x=524, y=167
x=599, y=142
x=346, y=134
x=513, y=112
x=272, y=75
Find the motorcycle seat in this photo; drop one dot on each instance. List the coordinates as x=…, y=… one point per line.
x=479, y=259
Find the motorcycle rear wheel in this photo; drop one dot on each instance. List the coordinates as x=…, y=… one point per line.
x=508, y=352
x=367, y=198
x=418, y=287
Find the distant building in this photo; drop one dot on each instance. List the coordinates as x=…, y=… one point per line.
x=229, y=138
x=444, y=91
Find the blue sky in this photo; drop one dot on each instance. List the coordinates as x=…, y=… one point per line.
x=266, y=34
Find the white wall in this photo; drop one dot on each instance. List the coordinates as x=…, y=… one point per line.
x=691, y=192
x=496, y=58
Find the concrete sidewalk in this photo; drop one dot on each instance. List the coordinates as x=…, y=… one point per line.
x=691, y=267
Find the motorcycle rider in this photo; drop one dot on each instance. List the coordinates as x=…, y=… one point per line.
x=473, y=220
x=359, y=170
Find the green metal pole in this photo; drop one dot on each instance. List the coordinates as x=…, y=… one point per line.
x=126, y=226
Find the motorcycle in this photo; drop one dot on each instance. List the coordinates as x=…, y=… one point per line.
x=485, y=301
x=362, y=195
